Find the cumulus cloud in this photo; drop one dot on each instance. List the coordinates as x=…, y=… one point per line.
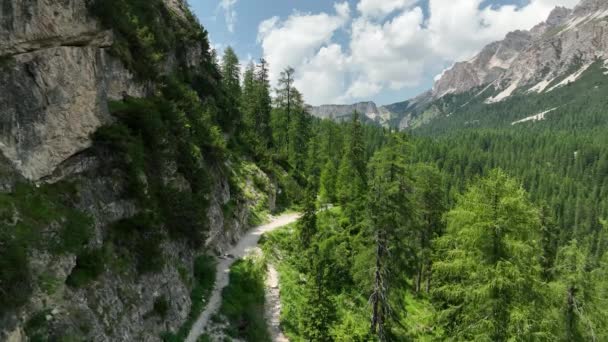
x=298, y=38
x=228, y=6
x=381, y=8
x=391, y=44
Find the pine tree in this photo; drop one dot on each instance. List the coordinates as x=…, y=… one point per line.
x=391, y=217
x=307, y=225
x=327, y=192
x=256, y=107
x=573, y=286
x=430, y=199
x=319, y=311
x=264, y=104
x=488, y=273
x=549, y=242
x=248, y=108
x=298, y=132
x=231, y=74
x=351, y=180
x=231, y=83
x=285, y=94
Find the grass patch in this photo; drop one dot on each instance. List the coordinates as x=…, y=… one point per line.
x=243, y=301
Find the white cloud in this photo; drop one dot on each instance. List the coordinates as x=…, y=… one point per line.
x=299, y=38
x=453, y=38
x=228, y=6
x=381, y=8
x=322, y=78
x=386, y=52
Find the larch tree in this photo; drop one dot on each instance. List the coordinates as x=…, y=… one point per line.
x=487, y=274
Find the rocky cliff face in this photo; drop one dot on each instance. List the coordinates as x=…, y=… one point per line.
x=551, y=54
x=369, y=110
x=56, y=78
x=344, y=112
x=490, y=64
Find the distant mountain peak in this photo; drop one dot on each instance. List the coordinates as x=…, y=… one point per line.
x=567, y=39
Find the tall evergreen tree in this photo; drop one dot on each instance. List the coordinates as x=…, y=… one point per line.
x=430, y=199
x=327, y=192
x=231, y=83
x=285, y=94
x=307, y=225
x=351, y=179
x=488, y=272
x=391, y=216
x=264, y=103
x=298, y=133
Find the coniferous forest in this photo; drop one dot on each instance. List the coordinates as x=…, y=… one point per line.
x=447, y=232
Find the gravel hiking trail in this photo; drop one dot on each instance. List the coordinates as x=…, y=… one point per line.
x=272, y=306
x=246, y=245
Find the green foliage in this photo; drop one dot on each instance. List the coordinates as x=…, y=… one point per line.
x=15, y=278
x=579, y=105
x=36, y=218
x=89, y=266
x=391, y=215
x=351, y=179
x=243, y=301
x=562, y=170
x=488, y=269
x=231, y=84
x=139, y=238
x=36, y=327
x=146, y=32
x=307, y=225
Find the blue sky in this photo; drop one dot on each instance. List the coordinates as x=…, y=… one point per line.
x=357, y=50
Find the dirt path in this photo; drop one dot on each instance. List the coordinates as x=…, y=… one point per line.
x=273, y=306
x=246, y=245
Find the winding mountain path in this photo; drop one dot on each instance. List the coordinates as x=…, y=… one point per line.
x=273, y=306
x=247, y=244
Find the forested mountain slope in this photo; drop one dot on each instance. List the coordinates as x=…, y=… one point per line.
x=131, y=157
x=525, y=68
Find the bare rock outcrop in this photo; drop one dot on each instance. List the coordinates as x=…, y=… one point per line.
x=567, y=42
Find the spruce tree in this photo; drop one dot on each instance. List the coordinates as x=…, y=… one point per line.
x=351, y=179
x=327, y=192
x=307, y=225
x=263, y=104
x=231, y=84
x=391, y=217
x=430, y=200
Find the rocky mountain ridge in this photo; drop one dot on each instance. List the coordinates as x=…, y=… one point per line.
x=550, y=55
x=344, y=112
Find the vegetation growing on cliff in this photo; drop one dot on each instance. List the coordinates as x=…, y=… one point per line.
x=427, y=239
